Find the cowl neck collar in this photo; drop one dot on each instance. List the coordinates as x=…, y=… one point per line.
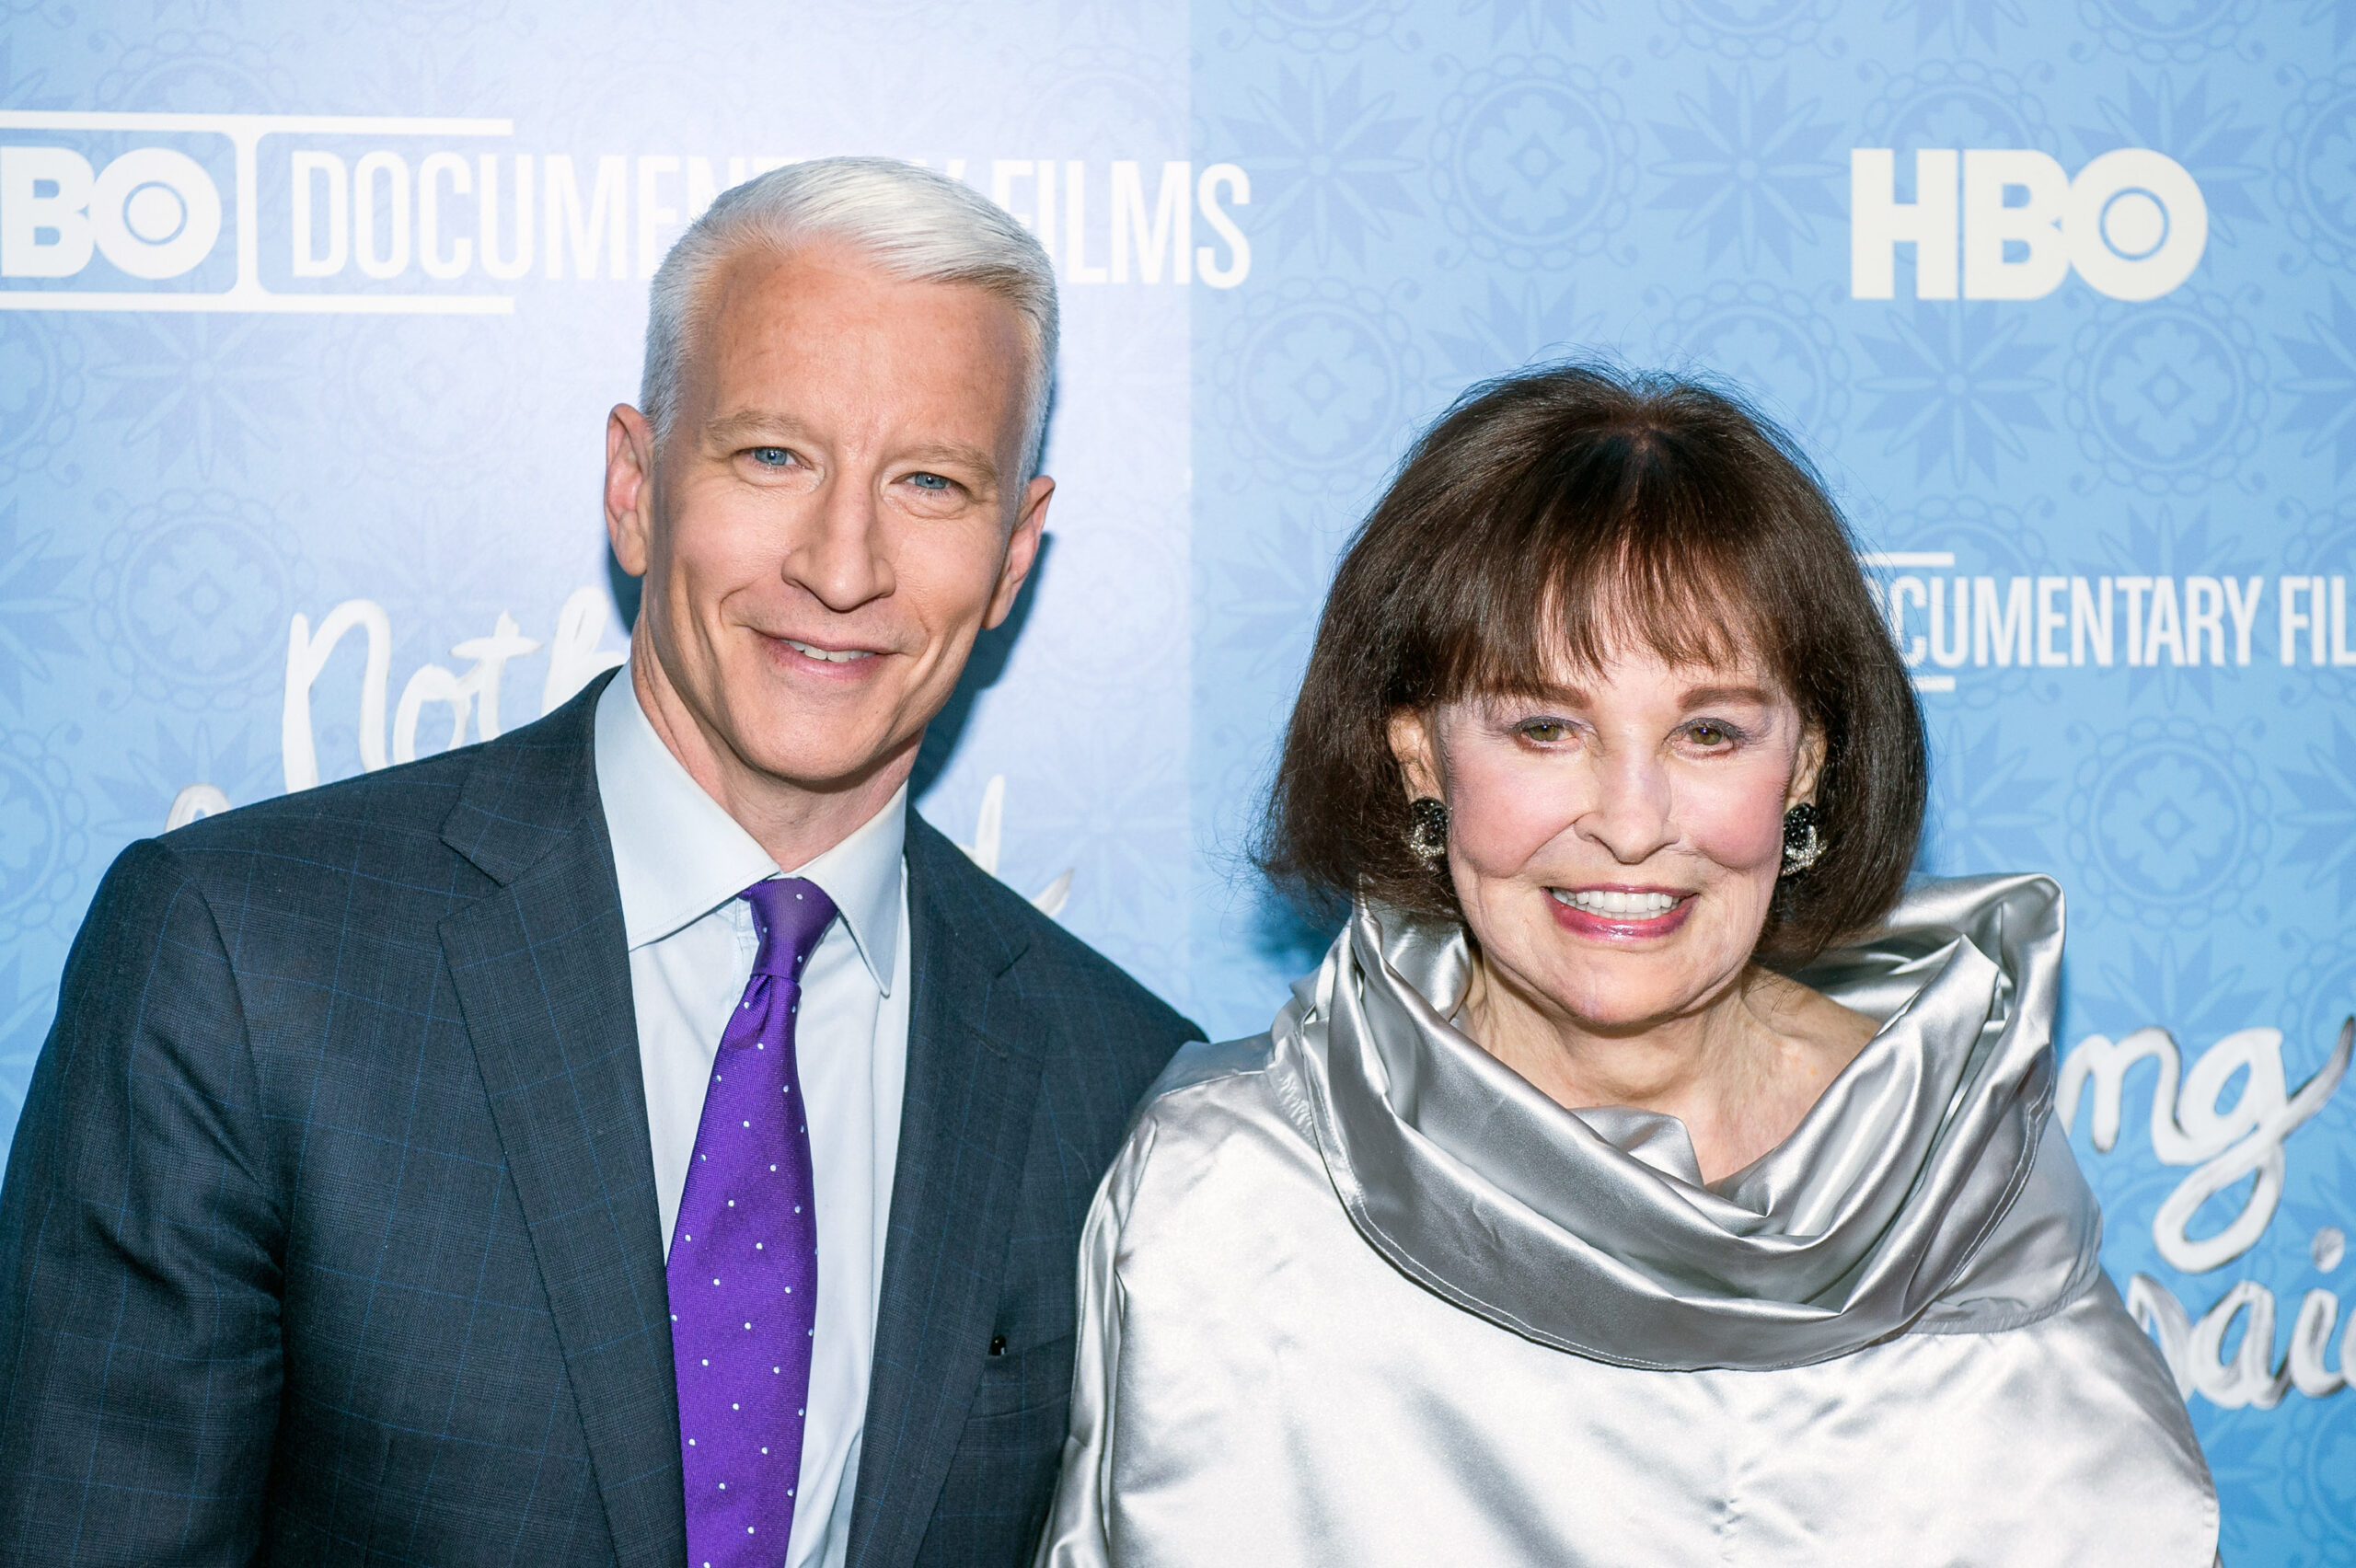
x=1592, y=1231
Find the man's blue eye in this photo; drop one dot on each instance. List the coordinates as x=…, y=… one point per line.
x=772, y=456
x=929, y=481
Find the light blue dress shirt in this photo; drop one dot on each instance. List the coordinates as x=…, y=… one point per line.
x=681, y=860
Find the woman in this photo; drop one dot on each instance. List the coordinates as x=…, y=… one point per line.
x=1607, y=1197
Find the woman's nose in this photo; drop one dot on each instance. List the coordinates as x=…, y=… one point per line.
x=1630, y=816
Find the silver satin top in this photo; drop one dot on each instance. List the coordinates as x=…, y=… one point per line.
x=1355, y=1293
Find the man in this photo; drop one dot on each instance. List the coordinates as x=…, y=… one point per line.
x=498, y=1159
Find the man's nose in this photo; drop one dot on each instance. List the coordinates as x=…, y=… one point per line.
x=841, y=561
x=1630, y=816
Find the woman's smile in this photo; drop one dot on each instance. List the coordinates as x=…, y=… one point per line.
x=1621, y=914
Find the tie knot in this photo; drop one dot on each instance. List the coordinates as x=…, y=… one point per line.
x=791, y=915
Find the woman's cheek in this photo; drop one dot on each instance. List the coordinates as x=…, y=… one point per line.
x=1502, y=815
x=1737, y=819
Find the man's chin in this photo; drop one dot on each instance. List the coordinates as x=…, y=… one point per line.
x=823, y=737
x=842, y=764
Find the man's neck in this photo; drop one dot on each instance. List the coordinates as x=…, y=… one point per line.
x=793, y=823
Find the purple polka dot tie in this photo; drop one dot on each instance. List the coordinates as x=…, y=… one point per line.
x=744, y=1267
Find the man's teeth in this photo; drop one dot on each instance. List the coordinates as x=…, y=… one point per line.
x=1625, y=905
x=845, y=657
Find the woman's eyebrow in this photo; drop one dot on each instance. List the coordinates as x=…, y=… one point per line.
x=1545, y=694
x=1702, y=696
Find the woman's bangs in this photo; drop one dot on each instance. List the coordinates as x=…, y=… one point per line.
x=1587, y=607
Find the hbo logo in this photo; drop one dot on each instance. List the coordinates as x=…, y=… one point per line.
x=154, y=213
x=2133, y=224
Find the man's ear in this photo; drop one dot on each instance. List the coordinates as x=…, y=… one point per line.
x=629, y=488
x=1021, y=549
x=1808, y=767
x=1412, y=743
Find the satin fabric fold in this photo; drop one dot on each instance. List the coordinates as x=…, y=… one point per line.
x=1356, y=1295
x=1464, y=1174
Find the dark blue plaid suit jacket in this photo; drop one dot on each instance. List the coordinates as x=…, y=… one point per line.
x=329, y=1231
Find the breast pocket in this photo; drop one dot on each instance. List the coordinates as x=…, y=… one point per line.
x=995, y=1496
x=1017, y=1382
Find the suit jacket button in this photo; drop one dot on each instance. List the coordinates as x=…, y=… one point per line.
x=998, y=1344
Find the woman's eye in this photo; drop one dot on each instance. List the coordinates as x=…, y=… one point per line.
x=1711, y=736
x=1544, y=731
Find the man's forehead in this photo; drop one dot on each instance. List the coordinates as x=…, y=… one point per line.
x=821, y=344
x=825, y=277
x=842, y=309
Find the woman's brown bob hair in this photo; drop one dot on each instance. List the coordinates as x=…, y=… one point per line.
x=1544, y=515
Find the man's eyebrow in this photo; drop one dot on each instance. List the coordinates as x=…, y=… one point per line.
x=754, y=426
x=957, y=454
x=750, y=424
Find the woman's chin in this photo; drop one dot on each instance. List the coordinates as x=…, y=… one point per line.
x=1619, y=991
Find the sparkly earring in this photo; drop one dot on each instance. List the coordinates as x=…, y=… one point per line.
x=1427, y=830
x=1802, y=846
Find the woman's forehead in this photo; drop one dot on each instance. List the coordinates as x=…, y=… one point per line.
x=1633, y=665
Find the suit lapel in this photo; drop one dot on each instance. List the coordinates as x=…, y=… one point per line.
x=973, y=1072
x=542, y=973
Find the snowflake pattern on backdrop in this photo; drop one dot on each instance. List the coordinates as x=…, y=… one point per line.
x=140, y=785
x=1330, y=171
x=2210, y=139
x=1441, y=191
x=1958, y=386
x=2341, y=14
x=1990, y=806
x=2324, y=816
x=1957, y=23
x=1757, y=29
x=43, y=385
x=2322, y=385
x=1534, y=23
x=209, y=388
x=1512, y=329
x=35, y=619
x=2200, y=996
x=1751, y=170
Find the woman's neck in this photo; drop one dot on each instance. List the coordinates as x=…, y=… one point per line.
x=1740, y=1070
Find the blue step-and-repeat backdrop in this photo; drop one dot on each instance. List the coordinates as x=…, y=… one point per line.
x=310, y=315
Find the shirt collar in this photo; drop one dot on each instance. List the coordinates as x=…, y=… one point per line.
x=679, y=855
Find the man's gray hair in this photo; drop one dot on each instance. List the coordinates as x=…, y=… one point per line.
x=918, y=226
